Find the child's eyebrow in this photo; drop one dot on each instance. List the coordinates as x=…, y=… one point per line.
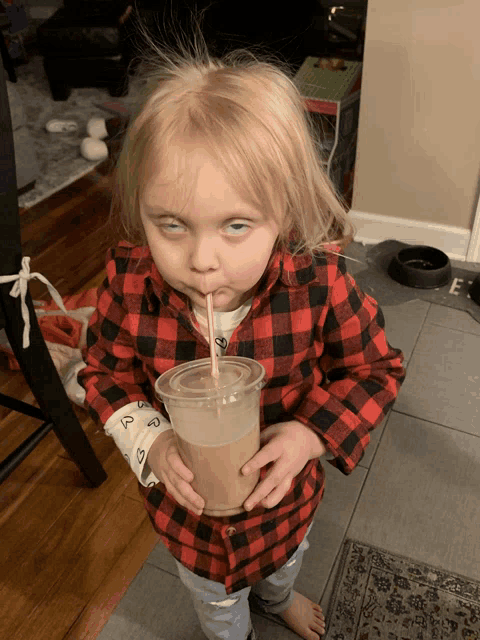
x=158, y=212
x=162, y=214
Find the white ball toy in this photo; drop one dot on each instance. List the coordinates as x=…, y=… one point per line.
x=93, y=149
x=96, y=128
x=61, y=126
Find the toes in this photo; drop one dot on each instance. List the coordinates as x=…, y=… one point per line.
x=318, y=613
x=319, y=627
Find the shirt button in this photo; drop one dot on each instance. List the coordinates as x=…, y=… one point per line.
x=231, y=531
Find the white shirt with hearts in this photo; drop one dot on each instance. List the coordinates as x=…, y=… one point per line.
x=136, y=426
x=225, y=323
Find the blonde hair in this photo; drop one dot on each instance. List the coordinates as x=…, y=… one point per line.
x=249, y=114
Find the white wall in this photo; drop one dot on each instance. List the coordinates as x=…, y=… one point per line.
x=418, y=153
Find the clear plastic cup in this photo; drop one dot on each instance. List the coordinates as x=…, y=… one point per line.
x=217, y=426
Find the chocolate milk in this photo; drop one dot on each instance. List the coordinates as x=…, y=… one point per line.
x=217, y=472
x=217, y=426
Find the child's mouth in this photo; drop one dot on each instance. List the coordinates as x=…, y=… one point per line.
x=202, y=294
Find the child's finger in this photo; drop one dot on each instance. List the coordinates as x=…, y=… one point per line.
x=194, y=501
x=268, y=453
x=278, y=493
x=275, y=477
x=185, y=495
x=177, y=464
x=180, y=478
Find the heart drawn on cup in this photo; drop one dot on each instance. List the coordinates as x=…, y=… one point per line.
x=140, y=455
x=155, y=422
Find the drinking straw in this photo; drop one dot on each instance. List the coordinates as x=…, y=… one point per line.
x=211, y=336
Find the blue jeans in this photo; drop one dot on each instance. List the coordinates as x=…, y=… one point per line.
x=227, y=617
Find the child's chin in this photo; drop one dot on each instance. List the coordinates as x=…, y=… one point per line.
x=222, y=301
x=226, y=303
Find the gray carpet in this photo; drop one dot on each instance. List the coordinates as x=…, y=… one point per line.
x=58, y=154
x=378, y=594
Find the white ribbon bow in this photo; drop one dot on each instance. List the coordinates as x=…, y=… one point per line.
x=20, y=289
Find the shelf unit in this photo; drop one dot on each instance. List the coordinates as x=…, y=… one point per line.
x=331, y=90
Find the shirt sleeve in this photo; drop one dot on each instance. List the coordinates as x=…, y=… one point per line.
x=114, y=376
x=134, y=428
x=364, y=373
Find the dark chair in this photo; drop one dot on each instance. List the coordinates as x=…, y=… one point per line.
x=56, y=411
x=13, y=19
x=86, y=44
x=6, y=59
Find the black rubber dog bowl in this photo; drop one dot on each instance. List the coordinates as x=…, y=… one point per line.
x=421, y=267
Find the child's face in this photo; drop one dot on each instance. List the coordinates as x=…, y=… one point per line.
x=217, y=243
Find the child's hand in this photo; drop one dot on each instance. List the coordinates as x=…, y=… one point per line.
x=291, y=445
x=165, y=462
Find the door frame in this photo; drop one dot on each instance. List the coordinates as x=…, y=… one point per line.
x=473, y=252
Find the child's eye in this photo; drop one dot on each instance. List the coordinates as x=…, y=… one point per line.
x=173, y=227
x=237, y=228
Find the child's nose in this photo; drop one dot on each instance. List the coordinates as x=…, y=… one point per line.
x=203, y=256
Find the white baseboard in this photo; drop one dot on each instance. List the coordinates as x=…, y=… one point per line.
x=374, y=228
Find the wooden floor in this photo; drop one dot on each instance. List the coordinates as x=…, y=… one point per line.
x=67, y=552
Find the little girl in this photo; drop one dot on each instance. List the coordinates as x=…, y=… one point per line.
x=221, y=189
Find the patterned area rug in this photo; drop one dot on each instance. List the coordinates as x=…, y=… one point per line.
x=379, y=595
x=58, y=154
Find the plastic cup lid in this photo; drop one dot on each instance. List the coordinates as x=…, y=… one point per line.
x=193, y=380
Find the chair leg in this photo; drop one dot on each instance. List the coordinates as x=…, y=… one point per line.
x=118, y=90
x=43, y=379
x=7, y=60
x=59, y=90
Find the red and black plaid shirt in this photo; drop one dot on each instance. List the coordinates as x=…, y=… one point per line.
x=308, y=320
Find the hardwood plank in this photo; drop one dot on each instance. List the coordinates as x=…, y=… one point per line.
x=95, y=281
x=16, y=426
x=26, y=477
x=64, y=602
x=105, y=600
x=34, y=469
x=30, y=577
x=43, y=506
x=132, y=490
x=12, y=383
x=69, y=267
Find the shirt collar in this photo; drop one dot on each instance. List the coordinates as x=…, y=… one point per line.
x=296, y=271
x=155, y=288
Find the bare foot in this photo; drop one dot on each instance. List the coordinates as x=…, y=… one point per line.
x=305, y=618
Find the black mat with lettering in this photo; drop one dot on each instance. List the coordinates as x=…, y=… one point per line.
x=372, y=277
